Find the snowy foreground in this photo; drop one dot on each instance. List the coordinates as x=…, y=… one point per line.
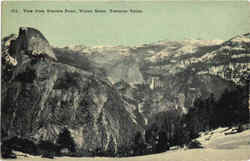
x=217, y=147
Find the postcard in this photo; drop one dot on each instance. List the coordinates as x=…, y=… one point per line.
x=125, y=80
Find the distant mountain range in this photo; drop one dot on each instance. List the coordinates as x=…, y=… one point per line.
x=105, y=94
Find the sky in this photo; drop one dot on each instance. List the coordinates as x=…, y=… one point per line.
x=159, y=21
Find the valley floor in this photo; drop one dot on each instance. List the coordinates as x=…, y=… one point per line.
x=217, y=147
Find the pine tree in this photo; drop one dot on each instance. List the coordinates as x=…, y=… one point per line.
x=66, y=141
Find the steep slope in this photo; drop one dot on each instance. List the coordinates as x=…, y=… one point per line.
x=41, y=97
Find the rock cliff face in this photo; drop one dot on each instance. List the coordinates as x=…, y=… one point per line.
x=40, y=97
x=104, y=95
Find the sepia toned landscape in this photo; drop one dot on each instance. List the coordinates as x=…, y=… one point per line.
x=173, y=100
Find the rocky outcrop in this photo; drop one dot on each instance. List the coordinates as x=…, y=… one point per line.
x=34, y=43
x=41, y=97
x=5, y=44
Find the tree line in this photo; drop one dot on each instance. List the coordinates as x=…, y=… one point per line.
x=64, y=145
x=171, y=128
